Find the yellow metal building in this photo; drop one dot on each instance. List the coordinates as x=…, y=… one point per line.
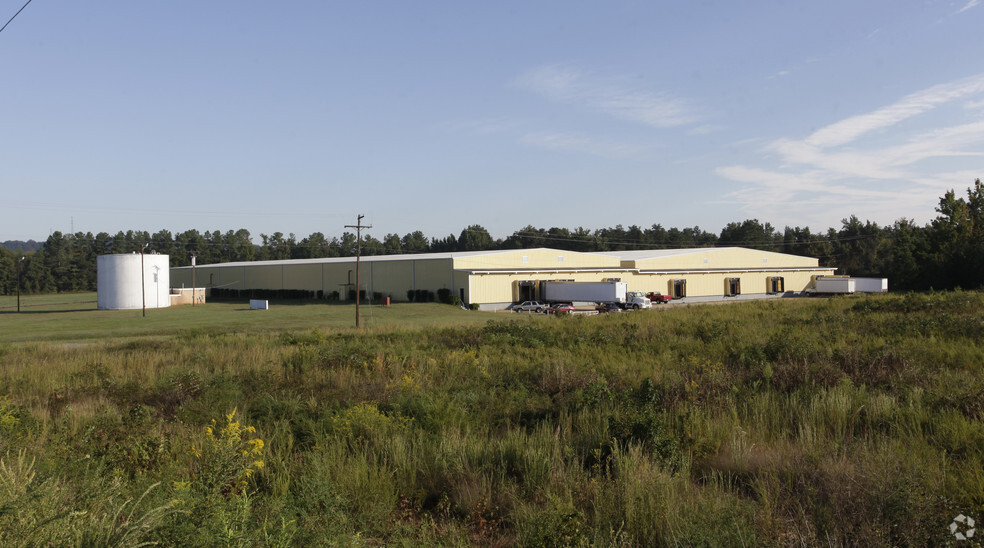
x=496, y=279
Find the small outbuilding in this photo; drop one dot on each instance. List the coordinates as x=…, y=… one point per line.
x=129, y=281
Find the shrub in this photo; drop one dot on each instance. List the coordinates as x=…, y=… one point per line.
x=226, y=457
x=444, y=295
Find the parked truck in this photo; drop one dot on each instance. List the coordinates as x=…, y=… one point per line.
x=637, y=300
x=658, y=298
x=589, y=292
x=593, y=292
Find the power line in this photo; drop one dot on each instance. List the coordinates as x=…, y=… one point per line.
x=15, y=15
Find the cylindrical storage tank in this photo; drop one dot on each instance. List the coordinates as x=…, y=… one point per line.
x=119, y=281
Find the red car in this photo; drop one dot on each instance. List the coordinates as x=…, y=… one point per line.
x=560, y=308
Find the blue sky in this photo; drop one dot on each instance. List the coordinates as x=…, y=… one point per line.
x=297, y=116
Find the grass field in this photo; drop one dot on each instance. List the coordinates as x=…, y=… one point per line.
x=841, y=421
x=74, y=316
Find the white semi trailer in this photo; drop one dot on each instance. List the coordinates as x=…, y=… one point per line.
x=844, y=284
x=834, y=284
x=871, y=285
x=592, y=292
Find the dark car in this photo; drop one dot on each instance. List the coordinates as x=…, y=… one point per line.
x=561, y=308
x=608, y=307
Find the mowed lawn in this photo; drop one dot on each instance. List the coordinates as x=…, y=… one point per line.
x=75, y=316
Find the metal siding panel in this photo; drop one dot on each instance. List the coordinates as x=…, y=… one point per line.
x=302, y=276
x=432, y=274
x=262, y=277
x=392, y=279
x=336, y=277
x=181, y=278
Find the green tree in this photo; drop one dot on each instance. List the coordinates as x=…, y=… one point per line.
x=314, y=246
x=415, y=242
x=275, y=247
x=372, y=246
x=163, y=242
x=958, y=233
x=239, y=246
x=861, y=249
x=911, y=263
x=749, y=233
x=475, y=238
x=191, y=242
x=444, y=245
x=392, y=244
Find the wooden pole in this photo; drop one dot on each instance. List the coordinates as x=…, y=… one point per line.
x=358, y=256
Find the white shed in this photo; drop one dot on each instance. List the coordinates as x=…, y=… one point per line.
x=132, y=281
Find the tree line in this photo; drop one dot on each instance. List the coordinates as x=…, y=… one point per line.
x=944, y=254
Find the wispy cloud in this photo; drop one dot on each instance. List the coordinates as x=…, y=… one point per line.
x=572, y=86
x=847, y=165
x=850, y=129
x=969, y=5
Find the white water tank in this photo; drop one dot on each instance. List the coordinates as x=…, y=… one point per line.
x=118, y=281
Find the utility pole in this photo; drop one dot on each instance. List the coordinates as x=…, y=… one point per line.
x=358, y=256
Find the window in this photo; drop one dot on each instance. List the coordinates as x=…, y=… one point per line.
x=560, y=258
x=526, y=258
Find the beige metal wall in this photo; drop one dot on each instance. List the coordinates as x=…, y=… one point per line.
x=712, y=284
x=503, y=287
x=391, y=278
x=432, y=274
x=209, y=276
x=302, y=276
x=267, y=277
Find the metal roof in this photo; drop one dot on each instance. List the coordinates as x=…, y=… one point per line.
x=625, y=255
x=381, y=258
x=643, y=254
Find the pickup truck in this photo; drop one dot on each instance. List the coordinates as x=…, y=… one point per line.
x=658, y=297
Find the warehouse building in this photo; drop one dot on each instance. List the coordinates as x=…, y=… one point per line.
x=496, y=279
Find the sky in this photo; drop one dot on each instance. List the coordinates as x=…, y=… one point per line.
x=296, y=117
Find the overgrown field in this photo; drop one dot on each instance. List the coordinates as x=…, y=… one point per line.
x=844, y=421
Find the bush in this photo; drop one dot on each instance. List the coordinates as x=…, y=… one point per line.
x=444, y=295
